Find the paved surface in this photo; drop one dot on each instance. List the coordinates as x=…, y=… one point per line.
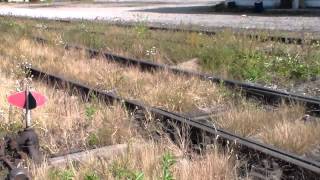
x=162, y=12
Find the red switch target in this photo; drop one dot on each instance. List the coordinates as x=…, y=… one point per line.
x=19, y=99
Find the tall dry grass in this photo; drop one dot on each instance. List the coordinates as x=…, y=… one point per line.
x=282, y=127
x=147, y=163
x=63, y=125
x=66, y=122
x=173, y=92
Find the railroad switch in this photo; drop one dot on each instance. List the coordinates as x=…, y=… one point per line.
x=12, y=160
x=26, y=141
x=16, y=148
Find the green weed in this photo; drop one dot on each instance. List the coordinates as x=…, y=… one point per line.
x=91, y=176
x=167, y=162
x=123, y=172
x=57, y=174
x=92, y=140
x=142, y=31
x=11, y=26
x=84, y=37
x=90, y=112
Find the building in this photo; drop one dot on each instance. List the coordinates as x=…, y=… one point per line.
x=288, y=4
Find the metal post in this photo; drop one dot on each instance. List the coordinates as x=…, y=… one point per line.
x=28, y=119
x=28, y=112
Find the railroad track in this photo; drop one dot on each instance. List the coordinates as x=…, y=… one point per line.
x=264, y=160
x=253, y=34
x=259, y=155
x=256, y=91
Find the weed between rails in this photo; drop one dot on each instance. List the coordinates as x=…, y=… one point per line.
x=153, y=161
x=226, y=54
x=169, y=91
x=183, y=94
x=65, y=123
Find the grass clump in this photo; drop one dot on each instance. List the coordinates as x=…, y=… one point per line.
x=167, y=162
x=150, y=162
x=90, y=112
x=120, y=172
x=282, y=127
x=9, y=25
x=247, y=59
x=84, y=37
x=296, y=135
x=57, y=174
x=91, y=176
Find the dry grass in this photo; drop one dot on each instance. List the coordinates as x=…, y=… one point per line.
x=65, y=122
x=148, y=161
x=173, y=92
x=63, y=125
x=250, y=119
x=176, y=93
x=282, y=127
x=297, y=136
x=226, y=54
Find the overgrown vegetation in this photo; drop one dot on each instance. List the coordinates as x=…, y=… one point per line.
x=225, y=54
x=65, y=123
x=165, y=90
x=162, y=89
x=153, y=161
x=99, y=126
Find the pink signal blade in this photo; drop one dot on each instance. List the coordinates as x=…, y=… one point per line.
x=19, y=99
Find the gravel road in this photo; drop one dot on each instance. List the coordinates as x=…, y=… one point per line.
x=161, y=12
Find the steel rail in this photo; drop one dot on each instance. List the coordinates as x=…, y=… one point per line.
x=290, y=163
x=239, y=31
x=214, y=31
x=250, y=89
x=256, y=36
x=253, y=34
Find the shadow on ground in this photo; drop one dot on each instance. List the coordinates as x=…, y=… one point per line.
x=214, y=9
x=181, y=10
x=92, y=4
